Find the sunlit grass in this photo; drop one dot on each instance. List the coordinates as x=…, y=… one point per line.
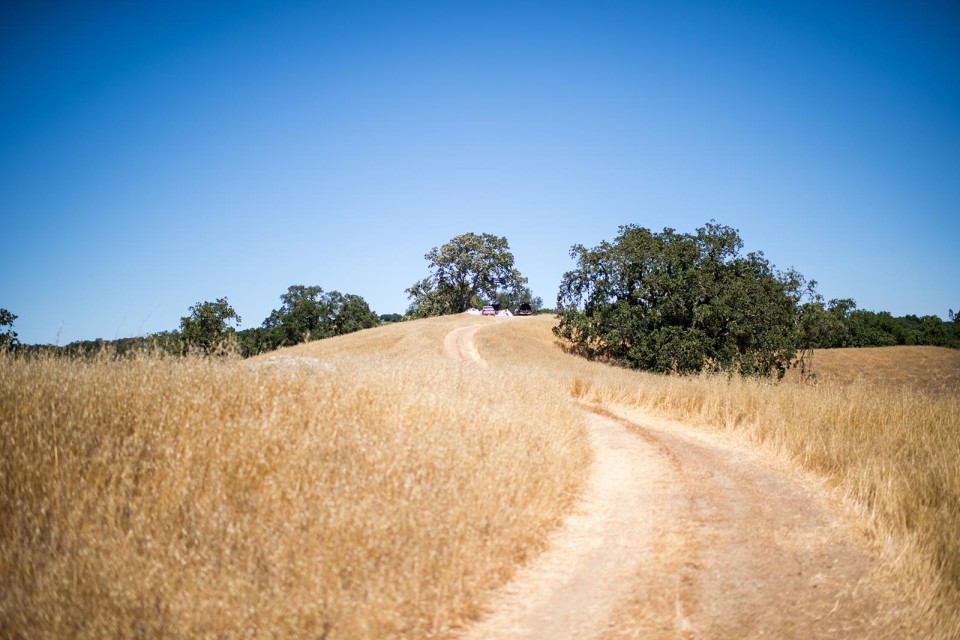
x=362, y=487
x=931, y=370
x=368, y=487
x=893, y=450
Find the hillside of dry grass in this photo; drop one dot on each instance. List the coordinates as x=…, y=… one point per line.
x=367, y=487
x=359, y=487
x=920, y=368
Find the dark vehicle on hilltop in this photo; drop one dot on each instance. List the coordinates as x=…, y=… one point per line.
x=524, y=310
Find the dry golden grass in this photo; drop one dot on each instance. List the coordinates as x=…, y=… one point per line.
x=359, y=487
x=928, y=369
x=893, y=450
x=367, y=487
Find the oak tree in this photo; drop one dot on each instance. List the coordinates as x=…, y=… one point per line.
x=209, y=324
x=468, y=271
x=681, y=302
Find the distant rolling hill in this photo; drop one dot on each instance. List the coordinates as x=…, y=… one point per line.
x=932, y=369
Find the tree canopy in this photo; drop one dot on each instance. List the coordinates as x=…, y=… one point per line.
x=208, y=325
x=8, y=337
x=310, y=313
x=468, y=271
x=839, y=323
x=680, y=302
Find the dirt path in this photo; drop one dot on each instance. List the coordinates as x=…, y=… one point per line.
x=681, y=534
x=459, y=344
x=750, y=551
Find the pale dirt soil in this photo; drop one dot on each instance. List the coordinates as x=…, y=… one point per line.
x=682, y=534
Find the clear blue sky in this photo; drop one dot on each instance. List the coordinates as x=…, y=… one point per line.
x=157, y=154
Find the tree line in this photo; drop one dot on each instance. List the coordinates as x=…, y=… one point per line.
x=660, y=301
x=212, y=328
x=839, y=323
x=306, y=313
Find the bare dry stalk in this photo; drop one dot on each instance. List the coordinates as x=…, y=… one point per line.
x=359, y=487
x=893, y=450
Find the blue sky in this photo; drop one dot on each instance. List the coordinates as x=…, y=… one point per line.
x=153, y=155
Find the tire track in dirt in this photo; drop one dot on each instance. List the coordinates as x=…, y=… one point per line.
x=570, y=590
x=757, y=553
x=459, y=344
x=683, y=535
x=566, y=591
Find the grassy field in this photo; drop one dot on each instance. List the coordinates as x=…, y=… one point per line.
x=367, y=487
x=887, y=439
x=931, y=370
x=359, y=487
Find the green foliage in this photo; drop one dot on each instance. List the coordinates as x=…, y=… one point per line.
x=169, y=342
x=672, y=302
x=820, y=324
x=351, y=313
x=874, y=329
x=512, y=299
x=8, y=337
x=208, y=325
x=390, y=317
x=254, y=341
x=164, y=342
x=307, y=313
x=310, y=313
x=469, y=271
x=841, y=324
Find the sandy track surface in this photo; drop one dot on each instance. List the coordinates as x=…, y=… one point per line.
x=459, y=344
x=746, y=550
x=681, y=534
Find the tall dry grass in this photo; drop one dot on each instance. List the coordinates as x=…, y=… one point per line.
x=893, y=451
x=365, y=486
x=931, y=370
x=361, y=487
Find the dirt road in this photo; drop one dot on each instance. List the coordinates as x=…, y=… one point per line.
x=681, y=534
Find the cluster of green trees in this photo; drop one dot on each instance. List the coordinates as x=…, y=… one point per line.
x=839, y=323
x=681, y=302
x=306, y=313
x=665, y=302
x=471, y=270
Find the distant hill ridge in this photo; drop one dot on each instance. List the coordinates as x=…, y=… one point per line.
x=925, y=368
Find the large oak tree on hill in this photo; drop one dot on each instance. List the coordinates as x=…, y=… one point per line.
x=468, y=271
x=680, y=302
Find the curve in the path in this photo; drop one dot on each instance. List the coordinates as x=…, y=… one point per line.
x=570, y=590
x=683, y=535
x=566, y=591
x=459, y=344
x=752, y=552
